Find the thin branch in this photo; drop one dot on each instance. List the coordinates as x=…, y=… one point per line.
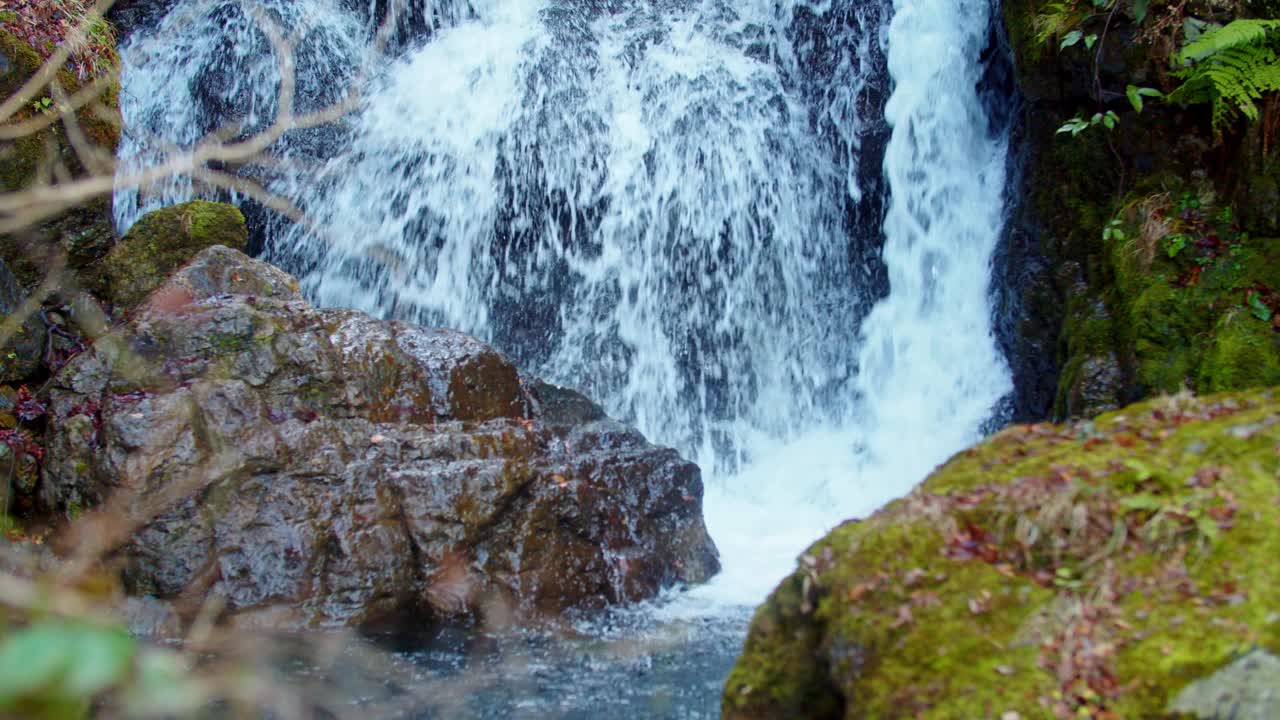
x=80, y=100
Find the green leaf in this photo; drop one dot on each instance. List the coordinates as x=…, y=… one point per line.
x=100, y=658
x=67, y=660
x=1193, y=28
x=30, y=659
x=1150, y=92
x=1214, y=39
x=1258, y=309
x=1135, y=97
x=1074, y=126
x=1144, y=472
x=1089, y=40
x=1139, y=11
x=1144, y=502
x=162, y=686
x=1208, y=527
x=1070, y=39
x=1110, y=120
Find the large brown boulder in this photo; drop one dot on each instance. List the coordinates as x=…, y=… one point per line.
x=320, y=467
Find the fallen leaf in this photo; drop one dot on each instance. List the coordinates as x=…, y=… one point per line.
x=857, y=591
x=921, y=598
x=904, y=617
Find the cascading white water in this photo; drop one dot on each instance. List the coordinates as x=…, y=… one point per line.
x=930, y=370
x=208, y=66
x=672, y=205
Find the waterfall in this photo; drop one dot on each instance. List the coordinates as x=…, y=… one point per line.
x=761, y=231
x=930, y=370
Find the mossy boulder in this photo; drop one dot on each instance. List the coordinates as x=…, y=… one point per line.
x=1096, y=569
x=163, y=241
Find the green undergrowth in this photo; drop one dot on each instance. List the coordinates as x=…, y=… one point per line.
x=1181, y=298
x=45, y=26
x=25, y=49
x=1195, y=297
x=1084, y=570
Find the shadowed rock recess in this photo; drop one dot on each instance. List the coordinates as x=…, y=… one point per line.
x=322, y=468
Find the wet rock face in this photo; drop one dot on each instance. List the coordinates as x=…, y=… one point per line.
x=320, y=467
x=23, y=347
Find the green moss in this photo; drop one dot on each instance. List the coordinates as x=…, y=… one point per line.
x=1163, y=326
x=100, y=125
x=1147, y=538
x=86, y=230
x=1195, y=334
x=787, y=674
x=1241, y=352
x=1170, y=322
x=163, y=241
x=23, y=61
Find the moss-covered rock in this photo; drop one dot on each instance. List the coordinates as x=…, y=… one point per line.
x=163, y=241
x=1088, y=570
x=1185, y=320
x=1240, y=352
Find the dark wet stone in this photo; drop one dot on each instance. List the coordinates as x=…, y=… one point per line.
x=21, y=353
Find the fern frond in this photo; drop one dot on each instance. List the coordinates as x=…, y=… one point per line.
x=1230, y=68
x=1235, y=34
x=1057, y=19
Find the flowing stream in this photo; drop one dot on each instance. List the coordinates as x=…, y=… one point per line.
x=760, y=230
